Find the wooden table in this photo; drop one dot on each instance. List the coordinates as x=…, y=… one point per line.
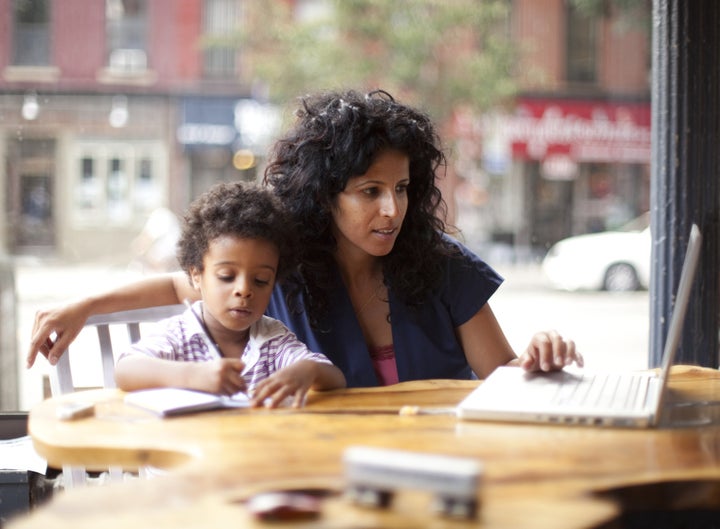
x=535, y=476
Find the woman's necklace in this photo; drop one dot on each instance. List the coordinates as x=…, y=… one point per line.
x=371, y=298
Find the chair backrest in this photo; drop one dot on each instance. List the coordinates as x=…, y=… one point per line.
x=61, y=377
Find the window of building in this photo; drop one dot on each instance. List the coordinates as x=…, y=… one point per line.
x=126, y=30
x=581, y=49
x=31, y=33
x=220, y=26
x=116, y=181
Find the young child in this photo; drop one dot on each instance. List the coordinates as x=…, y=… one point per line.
x=235, y=244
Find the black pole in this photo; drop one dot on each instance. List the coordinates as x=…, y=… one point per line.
x=685, y=171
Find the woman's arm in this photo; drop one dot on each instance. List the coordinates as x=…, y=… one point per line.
x=55, y=329
x=484, y=342
x=487, y=348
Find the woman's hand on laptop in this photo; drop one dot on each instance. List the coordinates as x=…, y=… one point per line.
x=549, y=351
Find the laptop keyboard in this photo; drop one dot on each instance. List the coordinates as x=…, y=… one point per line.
x=609, y=391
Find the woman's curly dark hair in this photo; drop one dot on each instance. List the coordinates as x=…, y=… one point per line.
x=238, y=209
x=338, y=136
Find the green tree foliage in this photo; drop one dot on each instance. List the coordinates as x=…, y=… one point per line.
x=437, y=53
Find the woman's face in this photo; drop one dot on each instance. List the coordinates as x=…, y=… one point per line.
x=369, y=212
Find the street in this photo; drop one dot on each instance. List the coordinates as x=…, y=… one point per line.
x=610, y=330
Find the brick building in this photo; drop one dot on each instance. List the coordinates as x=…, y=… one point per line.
x=108, y=110
x=112, y=108
x=573, y=154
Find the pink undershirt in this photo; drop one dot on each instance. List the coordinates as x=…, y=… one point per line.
x=383, y=360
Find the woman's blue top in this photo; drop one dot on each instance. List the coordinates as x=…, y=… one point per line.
x=424, y=338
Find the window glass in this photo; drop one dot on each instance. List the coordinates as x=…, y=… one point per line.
x=147, y=194
x=126, y=24
x=117, y=182
x=220, y=28
x=31, y=33
x=581, y=49
x=114, y=110
x=88, y=188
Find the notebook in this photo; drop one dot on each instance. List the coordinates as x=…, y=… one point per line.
x=579, y=396
x=167, y=402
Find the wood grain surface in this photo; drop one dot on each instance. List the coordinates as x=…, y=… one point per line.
x=535, y=476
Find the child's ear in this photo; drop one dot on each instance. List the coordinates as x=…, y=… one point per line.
x=195, y=276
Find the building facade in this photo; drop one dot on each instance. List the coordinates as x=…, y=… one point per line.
x=112, y=109
x=572, y=155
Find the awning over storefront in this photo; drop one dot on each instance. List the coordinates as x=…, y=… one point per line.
x=577, y=131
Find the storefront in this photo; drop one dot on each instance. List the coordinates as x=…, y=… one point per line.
x=580, y=165
x=224, y=139
x=78, y=177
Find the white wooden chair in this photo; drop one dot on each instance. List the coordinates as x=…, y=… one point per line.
x=63, y=381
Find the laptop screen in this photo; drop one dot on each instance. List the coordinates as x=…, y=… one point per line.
x=682, y=299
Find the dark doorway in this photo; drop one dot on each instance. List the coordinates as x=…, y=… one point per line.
x=31, y=211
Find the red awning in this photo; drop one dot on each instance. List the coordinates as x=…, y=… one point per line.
x=581, y=130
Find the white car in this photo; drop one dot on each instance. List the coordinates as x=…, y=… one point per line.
x=617, y=261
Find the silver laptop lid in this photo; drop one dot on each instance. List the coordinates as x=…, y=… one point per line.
x=682, y=300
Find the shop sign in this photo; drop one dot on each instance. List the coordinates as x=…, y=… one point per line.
x=578, y=131
x=207, y=122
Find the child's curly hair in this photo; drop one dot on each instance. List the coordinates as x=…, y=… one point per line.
x=338, y=136
x=238, y=209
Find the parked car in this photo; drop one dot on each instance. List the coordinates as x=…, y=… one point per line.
x=617, y=261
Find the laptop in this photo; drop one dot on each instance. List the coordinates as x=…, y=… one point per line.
x=579, y=396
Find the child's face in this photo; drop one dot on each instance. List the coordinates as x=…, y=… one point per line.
x=237, y=281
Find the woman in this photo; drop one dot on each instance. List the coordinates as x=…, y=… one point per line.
x=381, y=289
